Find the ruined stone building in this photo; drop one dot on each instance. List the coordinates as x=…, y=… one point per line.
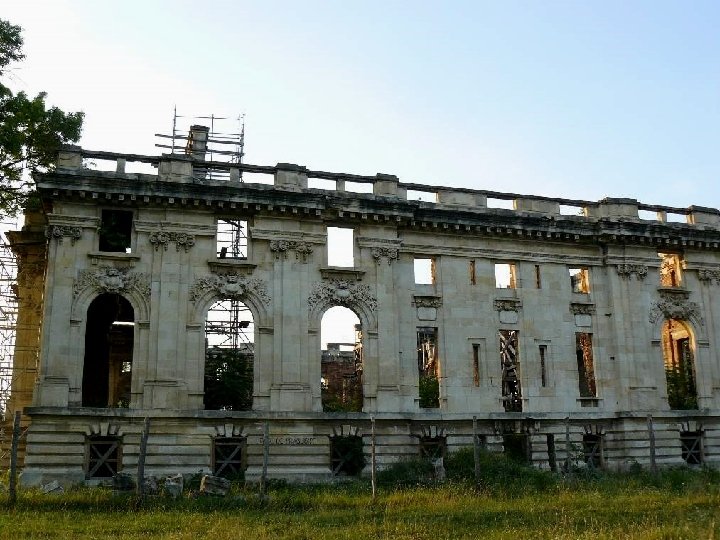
x=556, y=329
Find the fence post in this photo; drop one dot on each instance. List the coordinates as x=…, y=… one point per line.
x=266, y=457
x=372, y=457
x=141, y=459
x=476, y=451
x=567, y=444
x=13, y=458
x=651, y=432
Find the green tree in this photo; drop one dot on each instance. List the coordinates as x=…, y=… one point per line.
x=30, y=133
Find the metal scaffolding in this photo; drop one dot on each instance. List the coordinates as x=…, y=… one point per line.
x=8, y=313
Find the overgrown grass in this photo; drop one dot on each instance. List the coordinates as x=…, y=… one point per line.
x=512, y=501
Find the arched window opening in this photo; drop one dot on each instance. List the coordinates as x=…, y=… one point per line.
x=679, y=365
x=107, y=368
x=229, y=356
x=341, y=372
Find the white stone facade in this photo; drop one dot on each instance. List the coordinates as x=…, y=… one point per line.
x=172, y=275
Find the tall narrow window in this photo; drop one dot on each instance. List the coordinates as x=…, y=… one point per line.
x=340, y=247
x=232, y=239
x=679, y=365
x=341, y=365
x=424, y=271
x=115, y=231
x=670, y=269
x=476, y=364
x=428, y=369
x=505, y=276
x=542, y=349
x=538, y=281
x=510, y=365
x=580, y=280
x=472, y=273
x=586, y=368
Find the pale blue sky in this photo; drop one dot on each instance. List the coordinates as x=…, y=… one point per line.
x=573, y=99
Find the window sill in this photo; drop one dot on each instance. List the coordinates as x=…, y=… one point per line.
x=99, y=256
x=589, y=401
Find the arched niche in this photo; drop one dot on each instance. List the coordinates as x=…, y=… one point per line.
x=109, y=346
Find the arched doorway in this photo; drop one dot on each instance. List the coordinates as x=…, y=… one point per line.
x=229, y=356
x=341, y=372
x=678, y=354
x=107, y=367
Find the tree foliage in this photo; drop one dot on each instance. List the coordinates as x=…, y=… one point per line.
x=30, y=133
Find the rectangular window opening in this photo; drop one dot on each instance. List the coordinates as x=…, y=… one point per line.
x=676, y=218
x=586, y=368
x=476, y=364
x=670, y=269
x=510, y=366
x=426, y=196
x=542, y=349
x=506, y=204
x=115, y=231
x=340, y=247
x=552, y=458
x=505, y=277
x=229, y=457
x=103, y=456
x=691, y=446
x=571, y=210
x=516, y=446
x=538, y=280
x=580, y=280
x=424, y=271
x=473, y=279
x=232, y=239
x=359, y=187
x=428, y=368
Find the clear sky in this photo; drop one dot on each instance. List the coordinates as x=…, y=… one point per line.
x=562, y=98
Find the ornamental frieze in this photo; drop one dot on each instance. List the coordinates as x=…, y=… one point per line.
x=281, y=248
x=507, y=304
x=675, y=304
x=627, y=271
x=580, y=308
x=58, y=232
x=388, y=253
x=108, y=279
x=163, y=238
x=230, y=286
x=343, y=293
x=709, y=276
x=427, y=301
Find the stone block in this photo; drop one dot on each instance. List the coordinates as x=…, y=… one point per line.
x=214, y=485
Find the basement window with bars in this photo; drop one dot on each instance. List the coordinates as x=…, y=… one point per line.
x=103, y=456
x=347, y=457
x=592, y=450
x=433, y=447
x=691, y=446
x=229, y=457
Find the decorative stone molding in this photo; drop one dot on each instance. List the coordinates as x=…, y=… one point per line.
x=58, y=232
x=231, y=286
x=103, y=429
x=581, y=308
x=229, y=430
x=341, y=292
x=507, y=304
x=427, y=301
x=163, y=238
x=346, y=431
x=108, y=279
x=709, y=276
x=627, y=271
x=390, y=254
x=675, y=304
x=301, y=248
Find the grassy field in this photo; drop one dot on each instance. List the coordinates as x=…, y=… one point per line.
x=512, y=502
